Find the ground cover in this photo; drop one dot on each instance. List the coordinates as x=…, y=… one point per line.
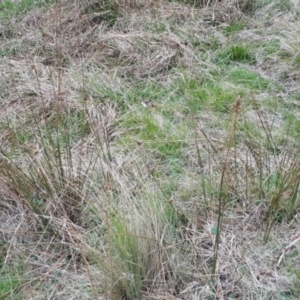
x=149, y=149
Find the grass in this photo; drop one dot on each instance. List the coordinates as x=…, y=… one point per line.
x=11, y=281
x=236, y=53
x=234, y=28
x=248, y=79
x=9, y=8
x=149, y=150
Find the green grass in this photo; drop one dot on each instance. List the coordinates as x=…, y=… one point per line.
x=236, y=53
x=234, y=28
x=284, y=4
x=199, y=94
x=11, y=279
x=126, y=248
x=9, y=9
x=248, y=79
x=10, y=50
x=271, y=47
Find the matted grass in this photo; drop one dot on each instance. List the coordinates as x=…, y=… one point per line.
x=149, y=150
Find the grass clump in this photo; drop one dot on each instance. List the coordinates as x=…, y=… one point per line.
x=134, y=261
x=236, y=53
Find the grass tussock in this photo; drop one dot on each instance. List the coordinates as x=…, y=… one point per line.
x=149, y=150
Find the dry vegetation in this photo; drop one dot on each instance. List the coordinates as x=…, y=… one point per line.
x=149, y=149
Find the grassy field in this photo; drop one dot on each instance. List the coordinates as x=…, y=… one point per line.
x=149, y=149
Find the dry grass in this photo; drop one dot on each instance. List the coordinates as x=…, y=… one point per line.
x=127, y=171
